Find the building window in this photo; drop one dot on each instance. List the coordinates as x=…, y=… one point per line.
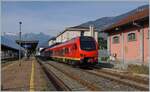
x=116, y=39
x=82, y=33
x=131, y=37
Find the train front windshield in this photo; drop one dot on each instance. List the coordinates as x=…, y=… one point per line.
x=87, y=43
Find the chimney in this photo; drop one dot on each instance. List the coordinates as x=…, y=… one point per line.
x=92, y=32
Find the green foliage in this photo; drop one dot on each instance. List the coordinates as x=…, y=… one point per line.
x=104, y=58
x=102, y=43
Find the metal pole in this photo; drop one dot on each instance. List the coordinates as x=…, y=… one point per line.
x=20, y=43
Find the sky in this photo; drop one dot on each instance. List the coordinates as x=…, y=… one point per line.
x=52, y=17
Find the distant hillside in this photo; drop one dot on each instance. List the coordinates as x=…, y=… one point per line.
x=41, y=37
x=104, y=22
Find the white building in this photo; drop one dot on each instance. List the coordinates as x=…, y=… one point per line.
x=51, y=41
x=73, y=32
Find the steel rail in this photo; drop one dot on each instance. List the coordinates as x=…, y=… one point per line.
x=85, y=83
x=124, y=76
x=119, y=80
x=58, y=83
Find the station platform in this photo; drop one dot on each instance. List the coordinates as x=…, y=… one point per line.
x=27, y=77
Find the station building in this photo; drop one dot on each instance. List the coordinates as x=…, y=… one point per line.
x=73, y=32
x=10, y=49
x=128, y=39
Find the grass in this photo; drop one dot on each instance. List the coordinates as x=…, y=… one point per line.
x=141, y=69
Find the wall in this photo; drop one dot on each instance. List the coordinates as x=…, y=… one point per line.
x=130, y=50
x=115, y=48
x=146, y=44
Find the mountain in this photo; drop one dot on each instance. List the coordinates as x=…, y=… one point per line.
x=99, y=23
x=32, y=36
x=10, y=43
x=41, y=37
x=105, y=22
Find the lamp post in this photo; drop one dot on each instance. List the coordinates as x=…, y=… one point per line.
x=20, y=43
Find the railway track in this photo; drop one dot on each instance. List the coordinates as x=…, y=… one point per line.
x=58, y=83
x=87, y=84
x=120, y=78
x=126, y=75
x=112, y=77
x=123, y=78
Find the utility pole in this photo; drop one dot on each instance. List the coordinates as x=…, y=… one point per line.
x=20, y=43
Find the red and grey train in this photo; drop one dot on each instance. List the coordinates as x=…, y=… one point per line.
x=77, y=51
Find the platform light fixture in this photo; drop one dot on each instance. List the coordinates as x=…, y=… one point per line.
x=20, y=43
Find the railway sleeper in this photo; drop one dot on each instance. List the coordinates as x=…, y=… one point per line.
x=54, y=79
x=123, y=81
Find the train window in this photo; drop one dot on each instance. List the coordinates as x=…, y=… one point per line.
x=75, y=46
x=116, y=39
x=131, y=37
x=61, y=52
x=56, y=52
x=52, y=53
x=87, y=43
x=66, y=51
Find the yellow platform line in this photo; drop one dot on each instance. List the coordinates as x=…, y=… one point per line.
x=32, y=78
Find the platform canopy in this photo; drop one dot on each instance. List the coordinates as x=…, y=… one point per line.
x=7, y=43
x=29, y=45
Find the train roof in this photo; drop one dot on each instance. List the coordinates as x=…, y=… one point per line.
x=73, y=39
x=44, y=49
x=60, y=44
